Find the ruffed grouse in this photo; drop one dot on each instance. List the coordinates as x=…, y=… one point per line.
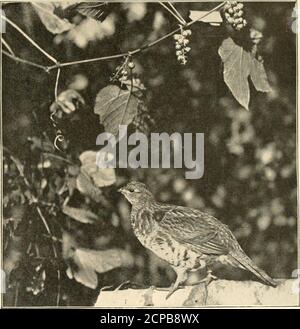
x=186, y=238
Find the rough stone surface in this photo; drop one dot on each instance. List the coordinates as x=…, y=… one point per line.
x=218, y=293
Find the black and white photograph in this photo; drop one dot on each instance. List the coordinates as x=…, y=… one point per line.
x=149, y=155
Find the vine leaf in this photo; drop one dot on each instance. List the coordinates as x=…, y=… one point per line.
x=90, y=178
x=115, y=107
x=214, y=18
x=236, y=70
x=51, y=21
x=101, y=176
x=87, y=262
x=239, y=64
x=259, y=77
x=86, y=186
x=69, y=100
x=81, y=215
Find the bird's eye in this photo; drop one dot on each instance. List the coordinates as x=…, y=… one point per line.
x=133, y=190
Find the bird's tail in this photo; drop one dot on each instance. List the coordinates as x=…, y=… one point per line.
x=243, y=261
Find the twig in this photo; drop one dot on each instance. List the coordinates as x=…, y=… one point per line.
x=7, y=46
x=138, y=50
x=58, y=286
x=55, y=253
x=56, y=84
x=55, y=239
x=104, y=58
x=90, y=60
x=19, y=167
x=39, y=211
x=29, y=39
x=172, y=13
x=151, y=44
x=17, y=294
x=24, y=61
x=177, y=12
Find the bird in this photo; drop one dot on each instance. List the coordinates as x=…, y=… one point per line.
x=186, y=238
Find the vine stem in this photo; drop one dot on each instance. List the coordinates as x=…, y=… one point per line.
x=26, y=36
x=178, y=18
x=55, y=253
x=177, y=12
x=24, y=61
x=7, y=46
x=90, y=60
x=56, y=84
x=96, y=59
x=138, y=50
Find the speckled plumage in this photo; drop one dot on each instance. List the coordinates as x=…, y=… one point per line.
x=186, y=238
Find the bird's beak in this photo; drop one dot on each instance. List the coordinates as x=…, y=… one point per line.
x=121, y=190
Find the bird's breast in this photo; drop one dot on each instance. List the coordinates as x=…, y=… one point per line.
x=162, y=244
x=175, y=253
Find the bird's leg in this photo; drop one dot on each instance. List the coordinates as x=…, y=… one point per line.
x=207, y=280
x=181, y=277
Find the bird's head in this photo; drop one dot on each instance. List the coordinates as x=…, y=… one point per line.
x=137, y=193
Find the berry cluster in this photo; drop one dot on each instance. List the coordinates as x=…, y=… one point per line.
x=234, y=14
x=123, y=71
x=181, y=42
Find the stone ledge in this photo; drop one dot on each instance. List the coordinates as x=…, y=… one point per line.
x=218, y=293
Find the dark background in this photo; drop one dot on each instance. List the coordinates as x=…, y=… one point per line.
x=250, y=170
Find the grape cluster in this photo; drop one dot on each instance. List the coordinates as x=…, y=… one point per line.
x=234, y=14
x=123, y=71
x=124, y=75
x=181, y=42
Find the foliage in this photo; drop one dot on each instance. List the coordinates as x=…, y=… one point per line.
x=116, y=107
x=63, y=217
x=239, y=64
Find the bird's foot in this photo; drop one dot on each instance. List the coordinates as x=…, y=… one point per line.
x=172, y=289
x=208, y=279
